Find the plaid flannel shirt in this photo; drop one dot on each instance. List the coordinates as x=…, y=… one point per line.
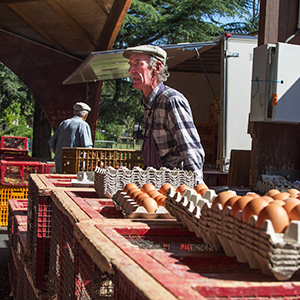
x=176, y=137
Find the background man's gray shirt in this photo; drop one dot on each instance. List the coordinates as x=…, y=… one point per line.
x=72, y=132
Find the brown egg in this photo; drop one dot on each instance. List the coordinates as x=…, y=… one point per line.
x=181, y=189
x=147, y=187
x=278, y=202
x=165, y=187
x=240, y=204
x=253, y=207
x=133, y=189
x=202, y=192
x=281, y=196
x=231, y=201
x=289, y=207
x=153, y=193
x=201, y=188
x=134, y=194
x=268, y=198
x=293, y=200
x=160, y=200
x=149, y=204
x=272, y=192
x=293, y=192
x=140, y=197
x=276, y=214
x=222, y=198
x=128, y=186
x=253, y=195
x=295, y=213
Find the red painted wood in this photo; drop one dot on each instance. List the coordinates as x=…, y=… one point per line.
x=94, y=211
x=208, y=273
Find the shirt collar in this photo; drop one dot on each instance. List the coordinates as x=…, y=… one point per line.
x=149, y=101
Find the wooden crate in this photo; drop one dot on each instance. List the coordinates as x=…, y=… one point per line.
x=86, y=159
x=208, y=136
x=182, y=265
x=39, y=228
x=69, y=267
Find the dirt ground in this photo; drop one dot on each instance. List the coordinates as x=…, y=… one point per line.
x=5, y=289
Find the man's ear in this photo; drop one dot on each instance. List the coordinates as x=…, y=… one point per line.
x=158, y=67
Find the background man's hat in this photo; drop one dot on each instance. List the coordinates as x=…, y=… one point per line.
x=155, y=51
x=80, y=106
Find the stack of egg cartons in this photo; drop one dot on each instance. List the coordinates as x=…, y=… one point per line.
x=256, y=243
x=108, y=181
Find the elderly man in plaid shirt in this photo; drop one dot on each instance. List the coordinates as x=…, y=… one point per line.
x=170, y=136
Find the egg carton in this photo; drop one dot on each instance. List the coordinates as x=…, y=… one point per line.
x=276, y=254
x=83, y=179
x=109, y=180
x=187, y=207
x=269, y=182
x=132, y=210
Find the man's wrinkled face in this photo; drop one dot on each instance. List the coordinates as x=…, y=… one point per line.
x=139, y=71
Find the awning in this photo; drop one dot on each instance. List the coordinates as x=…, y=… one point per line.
x=111, y=64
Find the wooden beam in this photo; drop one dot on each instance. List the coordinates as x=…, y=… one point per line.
x=19, y=1
x=43, y=70
x=102, y=6
x=72, y=22
x=288, y=20
x=268, y=22
x=113, y=24
x=37, y=27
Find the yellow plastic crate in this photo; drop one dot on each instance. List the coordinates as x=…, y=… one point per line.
x=7, y=193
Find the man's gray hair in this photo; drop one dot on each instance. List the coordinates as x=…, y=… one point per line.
x=164, y=73
x=81, y=113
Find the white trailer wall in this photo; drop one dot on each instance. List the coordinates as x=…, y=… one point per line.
x=232, y=85
x=237, y=94
x=196, y=89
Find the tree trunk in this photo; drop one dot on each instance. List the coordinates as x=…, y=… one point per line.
x=41, y=135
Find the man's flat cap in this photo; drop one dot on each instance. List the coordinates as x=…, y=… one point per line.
x=80, y=106
x=155, y=51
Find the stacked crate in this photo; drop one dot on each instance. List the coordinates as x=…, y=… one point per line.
x=39, y=226
x=155, y=260
x=72, y=271
x=87, y=159
x=21, y=283
x=15, y=169
x=93, y=268
x=94, y=253
x=13, y=145
x=208, y=135
x=145, y=259
x=29, y=226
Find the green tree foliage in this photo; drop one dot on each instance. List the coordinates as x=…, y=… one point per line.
x=173, y=21
x=16, y=103
x=119, y=109
x=163, y=22
x=248, y=22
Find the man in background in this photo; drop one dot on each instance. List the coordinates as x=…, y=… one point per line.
x=73, y=132
x=170, y=136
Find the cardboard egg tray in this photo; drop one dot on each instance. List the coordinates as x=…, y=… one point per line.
x=276, y=254
x=132, y=210
x=109, y=180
